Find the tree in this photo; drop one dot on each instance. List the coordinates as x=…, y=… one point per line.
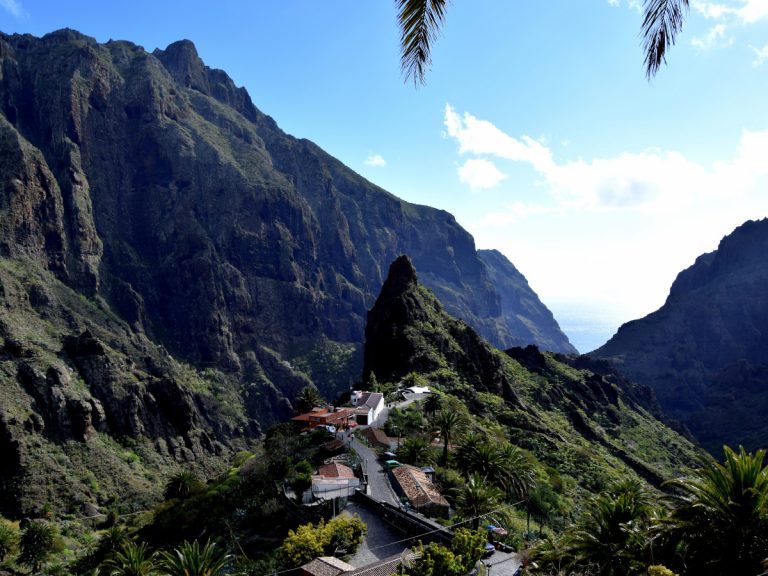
x=477, y=498
x=420, y=22
x=309, y=541
x=450, y=424
x=719, y=517
x=344, y=533
x=415, y=451
x=432, y=403
x=468, y=546
x=504, y=465
x=132, y=560
x=300, y=546
x=194, y=560
x=308, y=398
x=181, y=485
x=36, y=543
x=610, y=539
x=435, y=560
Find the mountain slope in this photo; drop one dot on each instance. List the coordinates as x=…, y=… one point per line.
x=521, y=309
x=704, y=351
x=200, y=221
x=585, y=425
x=175, y=268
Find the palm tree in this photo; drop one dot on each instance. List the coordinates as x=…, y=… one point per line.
x=504, y=465
x=610, y=539
x=450, y=424
x=432, y=404
x=181, y=485
x=415, y=451
x=477, y=498
x=308, y=398
x=132, y=560
x=194, y=560
x=720, y=515
x=420, y=22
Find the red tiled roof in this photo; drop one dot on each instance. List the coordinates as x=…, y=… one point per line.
x=335, y=470
x=377, y=436
x=326, y=566
x=417, y=487
x=386, y=567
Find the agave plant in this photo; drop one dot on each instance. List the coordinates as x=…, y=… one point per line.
x=191, y=559
x=133, y=559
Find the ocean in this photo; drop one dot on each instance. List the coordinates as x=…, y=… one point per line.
x=588, y=325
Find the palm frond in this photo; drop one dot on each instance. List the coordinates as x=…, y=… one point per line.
x=420, y=22
x=662, y=21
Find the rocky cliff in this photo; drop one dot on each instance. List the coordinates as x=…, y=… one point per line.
x=705, y=352
x=175, y=268
x=529, y=320
x=583, y=423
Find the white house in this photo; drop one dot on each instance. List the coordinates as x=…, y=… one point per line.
x=368, y=405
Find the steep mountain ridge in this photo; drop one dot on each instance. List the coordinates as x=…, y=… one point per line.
x=175, y=268
x=521, y=308
x=590, y=426
x=704, y=351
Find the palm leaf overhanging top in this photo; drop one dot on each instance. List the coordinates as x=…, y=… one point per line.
x=420, y=22
x=663, y=20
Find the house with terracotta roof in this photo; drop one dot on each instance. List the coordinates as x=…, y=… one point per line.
x=333, y=480
x=416, y=486
x=368, y=405
x=326, y=566
x=386, y=567
x=377, y=438
x=328, y=416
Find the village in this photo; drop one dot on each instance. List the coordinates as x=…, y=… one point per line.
x=399, y=502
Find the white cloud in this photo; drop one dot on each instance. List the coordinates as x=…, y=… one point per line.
x=619, y=228
x=761, y=55
x=14, y=7
x=715, y=38
x=746, y=11
x=711, y=10
x=479, y=173
x=376, y=160
x=483, y=138
x=753, y=10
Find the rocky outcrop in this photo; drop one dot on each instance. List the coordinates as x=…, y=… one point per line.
x=409, y=331
x=704, y=351
x=174, y=268
x=153, y=180
x=548, y=403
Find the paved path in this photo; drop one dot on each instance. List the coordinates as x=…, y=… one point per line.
x=502, y=563
x=378, y=483
x=378, y=544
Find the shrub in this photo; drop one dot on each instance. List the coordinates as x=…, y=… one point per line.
x=9, y=538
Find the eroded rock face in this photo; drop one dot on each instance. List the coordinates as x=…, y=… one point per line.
x=156, y=182
x=704, y=351
x=172, y=264
x=408, y=331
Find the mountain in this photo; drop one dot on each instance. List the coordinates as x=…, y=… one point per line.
x=521, y=309
x=705, y=352
x=587, y=425
x=175, y=268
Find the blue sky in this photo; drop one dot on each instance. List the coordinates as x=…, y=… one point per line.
x=537, y=128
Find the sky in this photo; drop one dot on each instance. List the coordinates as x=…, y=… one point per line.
x=537, y=127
